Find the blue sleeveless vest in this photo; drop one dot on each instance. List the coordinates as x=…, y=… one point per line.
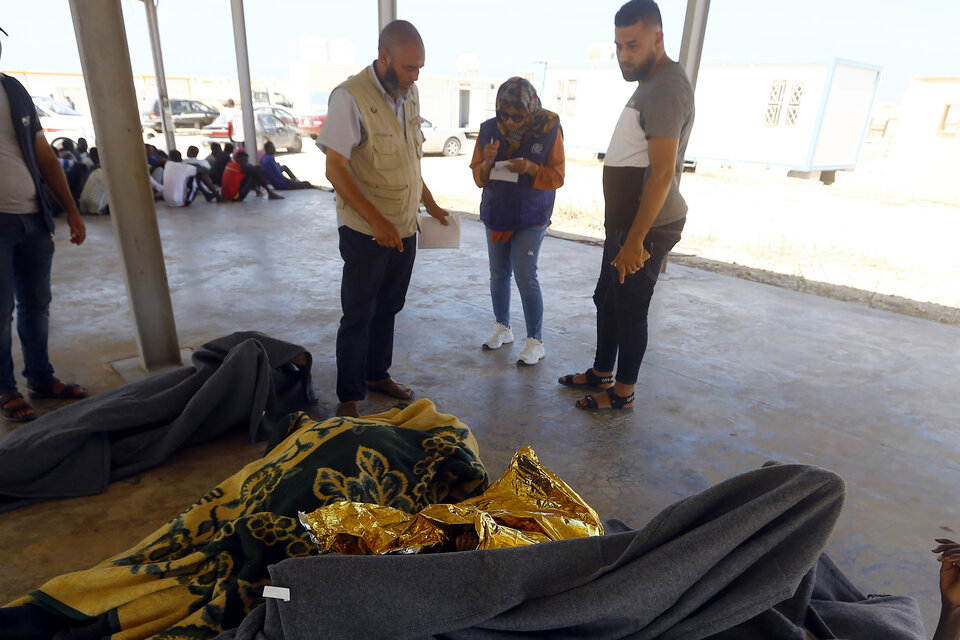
x=512, y=206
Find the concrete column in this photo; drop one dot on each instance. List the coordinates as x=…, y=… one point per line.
x=243, y=74
x=166, y=119
x=694, y=28
x=105, y=59
x=386, y=13
x=691, y=48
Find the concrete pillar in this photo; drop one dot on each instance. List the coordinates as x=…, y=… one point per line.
x=386, y=13
x=243, y=74
x=166, y=120
x=105, y=59
x=694, y=28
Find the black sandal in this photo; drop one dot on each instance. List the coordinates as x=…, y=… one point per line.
x=11, y=404
x=617, y=403
x=46, y=391
x=593, y=380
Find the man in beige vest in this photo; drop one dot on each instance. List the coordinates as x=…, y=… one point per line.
x=373, y=143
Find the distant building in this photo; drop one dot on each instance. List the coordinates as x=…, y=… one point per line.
x=924, y=148
x=928, y=122
x=803, y=117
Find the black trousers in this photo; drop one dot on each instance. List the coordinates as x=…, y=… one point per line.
x=622, y=308
x=372, y=292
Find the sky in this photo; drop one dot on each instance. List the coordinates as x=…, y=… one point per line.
x=507, y=36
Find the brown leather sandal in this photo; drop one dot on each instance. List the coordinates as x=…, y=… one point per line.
x=13, y=408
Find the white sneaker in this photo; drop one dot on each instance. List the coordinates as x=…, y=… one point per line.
x=532, y=352
x=501, y=335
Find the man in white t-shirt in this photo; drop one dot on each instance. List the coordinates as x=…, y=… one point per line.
x=204, y=182
x=179, y=181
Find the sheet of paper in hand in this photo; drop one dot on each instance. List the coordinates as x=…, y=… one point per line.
x=500, y=171
x=435, y=235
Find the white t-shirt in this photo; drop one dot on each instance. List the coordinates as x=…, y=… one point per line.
x=197, y=162
x=17, y=191
x=178, y=189
x=93, y=198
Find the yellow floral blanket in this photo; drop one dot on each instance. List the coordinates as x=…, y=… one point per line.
x=205, y=569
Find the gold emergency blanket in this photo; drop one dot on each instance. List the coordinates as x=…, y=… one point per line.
x=527, y=505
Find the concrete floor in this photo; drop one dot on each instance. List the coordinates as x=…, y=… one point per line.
x=737, y=373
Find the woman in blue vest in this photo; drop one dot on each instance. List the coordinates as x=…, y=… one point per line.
x=519, y=163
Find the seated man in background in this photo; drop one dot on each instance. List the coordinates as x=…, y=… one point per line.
x=75, y=170
x=220, y=163
x=93, y=198
x=274, y=171
x=215, y=151
x=192, y=158
x=204, y=182
x=179, y=181
x=240, y=176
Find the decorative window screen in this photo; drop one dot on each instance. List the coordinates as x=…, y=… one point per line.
x=793, y=109
x=571, y=97
x=774, y=100
x=559, y=108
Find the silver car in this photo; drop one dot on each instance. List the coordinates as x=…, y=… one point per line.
x=269, y=127
x=445, y=140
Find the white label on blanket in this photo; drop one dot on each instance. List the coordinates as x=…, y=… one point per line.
x=279, y=593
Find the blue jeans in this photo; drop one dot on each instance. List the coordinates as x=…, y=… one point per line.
x=26, y=255
x=517, y=256
x=622, y=308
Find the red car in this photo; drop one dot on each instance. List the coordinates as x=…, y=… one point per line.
x=312, y=123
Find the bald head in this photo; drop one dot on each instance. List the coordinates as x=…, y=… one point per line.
x=397, y=35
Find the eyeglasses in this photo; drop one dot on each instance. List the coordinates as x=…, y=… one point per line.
x=503, y=116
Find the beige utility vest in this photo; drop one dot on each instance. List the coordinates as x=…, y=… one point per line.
x=386, y=166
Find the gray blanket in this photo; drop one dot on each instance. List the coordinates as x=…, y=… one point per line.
x=244, y=380
x=740, y=560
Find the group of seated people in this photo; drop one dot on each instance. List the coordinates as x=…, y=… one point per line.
x=81, y=165
x=226, y=175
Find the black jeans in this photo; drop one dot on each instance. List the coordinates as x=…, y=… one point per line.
x=622, y=308
x=372, y=293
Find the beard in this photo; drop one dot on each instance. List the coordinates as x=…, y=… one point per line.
x=639, y=72
x=391, y=82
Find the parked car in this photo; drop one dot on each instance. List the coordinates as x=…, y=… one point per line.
x=311, y=124
x=186, y=113
x=217, y=131
x=60, y=121
x=272, y=98
x=269, y=127
x=286, y=115
x=445, y=140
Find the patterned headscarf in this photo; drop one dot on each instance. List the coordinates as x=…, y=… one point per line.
x=520, y=93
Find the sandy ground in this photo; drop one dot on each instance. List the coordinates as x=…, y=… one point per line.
x=860, y=239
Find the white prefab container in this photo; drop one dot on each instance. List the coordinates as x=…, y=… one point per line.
x=805, y=117
x=589, y=100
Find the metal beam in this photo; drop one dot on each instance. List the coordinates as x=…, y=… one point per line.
x=243, y=74
x=694, y=28
x=105, y=59
x=166, y=119
x=386, y=13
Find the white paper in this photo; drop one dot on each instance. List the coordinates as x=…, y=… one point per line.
x=435, y=235
x=501, y=172
x=278, y=593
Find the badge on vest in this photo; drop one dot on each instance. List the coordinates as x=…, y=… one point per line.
x=536, y=148
x=25, y=120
